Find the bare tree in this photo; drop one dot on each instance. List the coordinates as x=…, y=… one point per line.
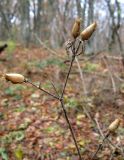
x=90, y=19
x=81, y=10
x=115, y=23
x=6, y=14
x=24, y=9
x=37, y=17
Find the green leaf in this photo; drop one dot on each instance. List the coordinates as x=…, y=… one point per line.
x=3, y=154
x=19, y=136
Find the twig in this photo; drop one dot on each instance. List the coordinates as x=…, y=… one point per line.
x=114, y=57
x=63, y=90
x=100, y=146
x=114, y=150
x=108, y=140
x=99, y=129
x=54, y=88
x=81, y=76
x=88, y=114
x=62, y=102
x=110, y=74
x=45, y=46
x=66, y=80
x=101, y=133
x=87, y=58
x=92, y=57
x=71, y=129
x=70, y=67
x=112, y=155
x=120, y=79
x=116, y=147
x=84, y=86
x=77, y=54
x=39, y=87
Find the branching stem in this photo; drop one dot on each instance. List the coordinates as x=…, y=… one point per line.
x=60, y=98
x=66, y=80
x=38, y=87
x=71, y=129
x=100, y=146
x=74, y=52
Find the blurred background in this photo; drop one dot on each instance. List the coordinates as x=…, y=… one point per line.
x=26, y=21
x=32, y=126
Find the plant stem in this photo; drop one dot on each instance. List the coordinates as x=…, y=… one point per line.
x=38, y=87
x=62, y=102
x=82, y=77
x=66, y=80
x=61, y=97
x=100, y=146
x=71, y=129
x=54, y=88
x=110, y=74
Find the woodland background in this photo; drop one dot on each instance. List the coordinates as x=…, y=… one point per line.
x=51, y=21
x=32, y=125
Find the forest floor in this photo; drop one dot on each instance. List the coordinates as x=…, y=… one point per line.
x=31, y=124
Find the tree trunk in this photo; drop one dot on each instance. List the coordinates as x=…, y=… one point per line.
x=25, y=21
x=89, y=21
x=114, y=26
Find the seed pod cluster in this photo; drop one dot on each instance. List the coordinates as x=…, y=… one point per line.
x=76, y=28
x=114, y=125
x=86, y=34
x=15, y=77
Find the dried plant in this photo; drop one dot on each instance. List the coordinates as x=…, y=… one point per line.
x=87, y=33
x=111, y=129
x=73, y=47
x=18, y=78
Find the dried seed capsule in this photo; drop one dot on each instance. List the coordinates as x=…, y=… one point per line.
x=114, y=125
x=76, y=28
x=14, y=77
x=86, y=34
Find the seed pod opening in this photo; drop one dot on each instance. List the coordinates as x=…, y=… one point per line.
x=114, y=125
x=14, y=77
x=86, y=33
x=76, y=28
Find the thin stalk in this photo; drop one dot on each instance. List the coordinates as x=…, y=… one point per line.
x=71, y=129
x=107, y=139
x=112, y=155
x=98, y=127
x=100, y=146
x=78, y=46
x=74, y=52
x=38, y=87
x=116, y=147
x=81, y=76
x=54, y=88
x=62, y=102
x=82, y=81
x=61, y=97
x=110, y=74
x=66, y=80
x=45, y=46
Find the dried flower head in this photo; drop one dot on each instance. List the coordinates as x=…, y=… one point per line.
x=15, y=77
x=114, y=125
x=76, y=28
x=86, y=34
